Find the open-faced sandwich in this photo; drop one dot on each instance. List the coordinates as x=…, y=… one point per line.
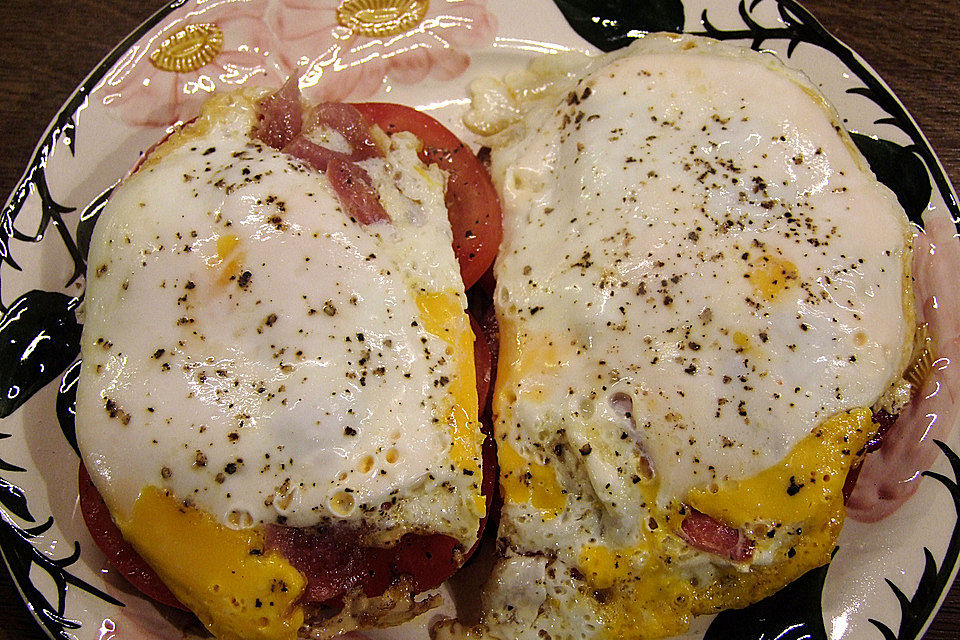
x=704, y=297
x=278, y=398
x=704, y=304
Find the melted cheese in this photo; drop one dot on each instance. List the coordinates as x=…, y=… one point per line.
x=236, y=589
x=806, y=486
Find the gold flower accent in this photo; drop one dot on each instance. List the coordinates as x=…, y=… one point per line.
x=377, y=18
x=188, y=49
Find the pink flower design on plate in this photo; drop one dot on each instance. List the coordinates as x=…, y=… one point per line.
x=342, y=64
x=150, y=97
x=267, y=40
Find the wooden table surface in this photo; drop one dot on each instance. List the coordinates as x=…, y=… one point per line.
x=48, y=47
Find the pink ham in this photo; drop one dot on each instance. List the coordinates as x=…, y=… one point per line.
x=332, y=561
x=356, y=192
x=282, y=127
x=346, y=120
x=707, y=534
x=890, y=476
x=281, y=115
x=313, y=154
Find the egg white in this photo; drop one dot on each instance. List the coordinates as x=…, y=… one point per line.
x=252, y=349
x=698, y=272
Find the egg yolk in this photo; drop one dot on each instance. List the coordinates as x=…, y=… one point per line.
x=772, y=275
x=238, y=590
x=650, y=602
x=442, y=316
x=806, y=485
x=525, y=360
x=525, y=481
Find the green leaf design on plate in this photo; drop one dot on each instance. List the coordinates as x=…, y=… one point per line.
x=613, y=24
x=900, y=169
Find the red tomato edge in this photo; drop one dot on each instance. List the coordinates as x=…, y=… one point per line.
x=106, y=535
x=472, y=202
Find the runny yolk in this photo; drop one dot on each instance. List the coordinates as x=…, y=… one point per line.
x=238, y=590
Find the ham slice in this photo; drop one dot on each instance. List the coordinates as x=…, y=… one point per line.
x=284, y=127
x=356, y=191
x=346, y=120
x=313, y=154
x=335, y=562
x=281, y=115
x=710, y=535
x=332, y=561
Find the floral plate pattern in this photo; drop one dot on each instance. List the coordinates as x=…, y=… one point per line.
x=879, y=585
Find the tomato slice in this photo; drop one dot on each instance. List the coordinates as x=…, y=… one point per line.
x=472, y=203
x=118, y=551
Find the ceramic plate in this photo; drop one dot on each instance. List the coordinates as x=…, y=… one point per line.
x=881, y=583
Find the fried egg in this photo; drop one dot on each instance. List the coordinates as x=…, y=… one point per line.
x=254, y=356
x=702, y=292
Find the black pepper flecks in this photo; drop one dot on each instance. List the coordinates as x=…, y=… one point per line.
x=726, y=244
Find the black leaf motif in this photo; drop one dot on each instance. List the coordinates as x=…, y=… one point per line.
x=900, y=169
x=22, y=558
x=793, y=613
x=88, y=219
x=916, y=611
x=67, y=405
x=11, y=497
x=4, y=465
x=39, y=338
x=613, y=24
